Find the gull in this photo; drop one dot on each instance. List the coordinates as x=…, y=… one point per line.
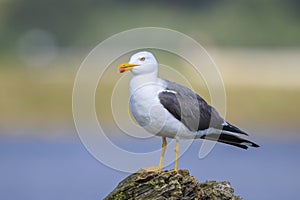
x=170, y=110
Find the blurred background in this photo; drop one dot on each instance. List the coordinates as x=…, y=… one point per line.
x=255, y=44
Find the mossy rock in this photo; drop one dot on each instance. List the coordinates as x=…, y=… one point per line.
x=170, y=185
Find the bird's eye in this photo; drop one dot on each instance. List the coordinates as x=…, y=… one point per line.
x=142, y=59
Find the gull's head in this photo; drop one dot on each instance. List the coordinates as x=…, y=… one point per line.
x=140, y=63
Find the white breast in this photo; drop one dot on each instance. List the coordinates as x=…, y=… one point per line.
x=146, y=108
x=150, y=113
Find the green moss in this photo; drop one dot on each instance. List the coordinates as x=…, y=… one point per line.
x=170, y=185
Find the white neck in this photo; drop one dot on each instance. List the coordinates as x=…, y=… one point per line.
x=138, y=80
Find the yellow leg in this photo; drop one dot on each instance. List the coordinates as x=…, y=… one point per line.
x=176, y=155
x=163, y=150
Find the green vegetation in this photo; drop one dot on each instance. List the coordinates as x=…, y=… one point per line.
x=37, y=96
x=86, y=23
x=43, y=43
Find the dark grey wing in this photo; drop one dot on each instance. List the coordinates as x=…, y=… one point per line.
x=196, y=115
x=189, y=108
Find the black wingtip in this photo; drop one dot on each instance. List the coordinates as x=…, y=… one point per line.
x=255, y=145
x=234, y=129
x=231, y=140
x=249, y=144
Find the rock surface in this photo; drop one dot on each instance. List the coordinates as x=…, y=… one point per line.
x=170, y=185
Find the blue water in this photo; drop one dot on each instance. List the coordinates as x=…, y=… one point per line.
x=39, y=169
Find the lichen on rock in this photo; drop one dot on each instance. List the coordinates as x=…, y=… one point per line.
x=170, y=185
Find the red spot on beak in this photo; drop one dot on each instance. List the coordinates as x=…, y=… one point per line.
x=122, y=70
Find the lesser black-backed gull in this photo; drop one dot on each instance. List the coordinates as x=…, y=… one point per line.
x=167, y=109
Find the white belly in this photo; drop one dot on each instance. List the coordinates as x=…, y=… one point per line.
x=151, y=115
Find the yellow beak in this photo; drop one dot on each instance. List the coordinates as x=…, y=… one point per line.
x=125, y=67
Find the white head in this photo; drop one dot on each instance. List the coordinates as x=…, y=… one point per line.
x=140, y=63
